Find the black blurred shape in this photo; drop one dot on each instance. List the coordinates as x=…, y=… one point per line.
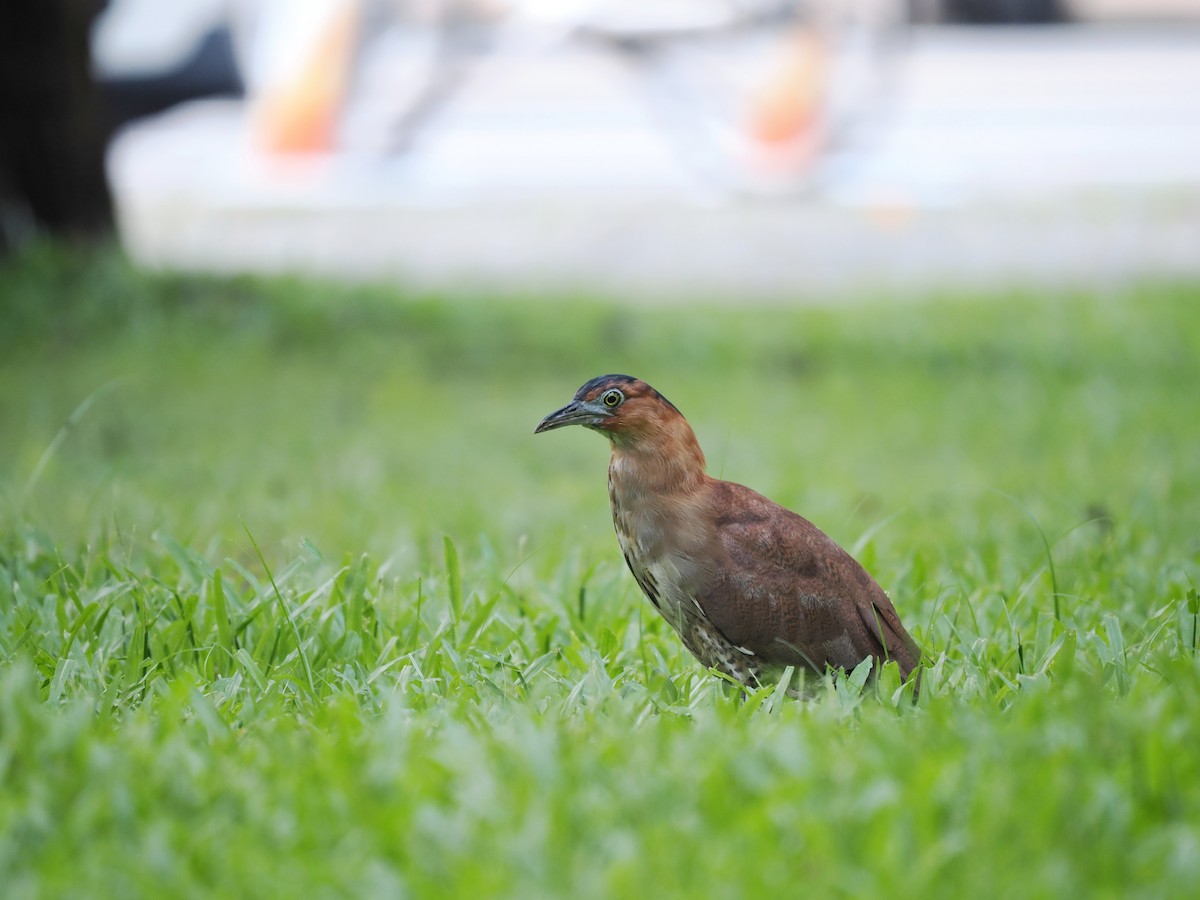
x=52, y=126
x=1004, y=12
x=210, y=71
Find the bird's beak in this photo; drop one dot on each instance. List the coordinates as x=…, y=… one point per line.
x=577, y=412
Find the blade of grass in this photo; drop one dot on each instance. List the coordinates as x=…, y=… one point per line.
x=68, y=426
x=287, y=614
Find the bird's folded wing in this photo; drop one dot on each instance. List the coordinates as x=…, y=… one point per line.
x=788, y=593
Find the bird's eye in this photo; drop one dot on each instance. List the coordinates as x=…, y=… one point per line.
x=612, y=399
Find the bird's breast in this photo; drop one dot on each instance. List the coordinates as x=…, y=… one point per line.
x=658, y=538
x=644, y=523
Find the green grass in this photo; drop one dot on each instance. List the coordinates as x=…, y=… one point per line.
x=292, y=603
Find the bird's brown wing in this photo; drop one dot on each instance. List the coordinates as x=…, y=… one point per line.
x=785, y=591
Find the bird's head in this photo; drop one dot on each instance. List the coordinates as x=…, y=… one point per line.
x=620, y=406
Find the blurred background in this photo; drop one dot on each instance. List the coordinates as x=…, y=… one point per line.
x=746, y=148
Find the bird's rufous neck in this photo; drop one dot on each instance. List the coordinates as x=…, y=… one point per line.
x=665, y=459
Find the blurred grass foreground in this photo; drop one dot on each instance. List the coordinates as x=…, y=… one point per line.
x=292, y=602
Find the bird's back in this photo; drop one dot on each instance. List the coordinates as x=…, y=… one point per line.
x=784, y=590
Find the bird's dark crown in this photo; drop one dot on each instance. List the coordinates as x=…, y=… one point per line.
x=629, y=386
x=621, y=406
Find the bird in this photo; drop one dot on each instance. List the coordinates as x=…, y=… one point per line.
x=749, y=586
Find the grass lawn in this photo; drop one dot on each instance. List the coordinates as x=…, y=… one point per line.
x=292, y=602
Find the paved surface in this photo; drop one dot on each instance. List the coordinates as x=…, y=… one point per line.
x=1060, y=156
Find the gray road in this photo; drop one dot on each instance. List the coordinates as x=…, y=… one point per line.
x=1058, y=156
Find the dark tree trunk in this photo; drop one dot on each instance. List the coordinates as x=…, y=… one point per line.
x=52, y=124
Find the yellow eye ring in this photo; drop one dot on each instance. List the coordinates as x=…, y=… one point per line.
x=612, y=398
